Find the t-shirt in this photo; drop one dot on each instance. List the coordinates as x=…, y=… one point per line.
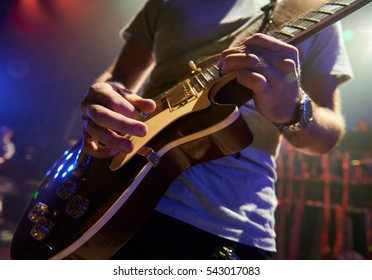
x=233, y=196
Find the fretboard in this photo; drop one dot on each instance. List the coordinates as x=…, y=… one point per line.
x=316, y=19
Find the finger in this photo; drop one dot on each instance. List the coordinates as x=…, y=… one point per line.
x=104, y=94
x=253, y=72
x=227, y=52
x=267, y=46
x=291, y=71
x=107, y=137
x=117, y=122
x=241, y=61
x=253, y=80
x=143, y=105
x=93, y=148
x=266, y=42
x=139, y=103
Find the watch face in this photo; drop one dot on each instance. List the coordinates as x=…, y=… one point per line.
x=307, y=110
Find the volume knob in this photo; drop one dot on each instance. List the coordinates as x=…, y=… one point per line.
x=38, y=212
x=42, y=229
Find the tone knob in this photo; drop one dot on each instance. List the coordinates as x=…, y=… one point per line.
x=77, y=206
x=67, y=189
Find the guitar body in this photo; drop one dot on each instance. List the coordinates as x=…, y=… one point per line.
x=117, y=202
x=87, y=208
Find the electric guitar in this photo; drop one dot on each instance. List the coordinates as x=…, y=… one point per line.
x=88, y=208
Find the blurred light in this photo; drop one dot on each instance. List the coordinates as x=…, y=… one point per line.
x=28, y=14
x=17, y=69
x=72, y=166
x=68, y=156
x=59, y=168
x=28, y=157
x=348, y=35
x=364, y=34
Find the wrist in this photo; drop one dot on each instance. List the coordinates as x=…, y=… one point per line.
x=304, y=118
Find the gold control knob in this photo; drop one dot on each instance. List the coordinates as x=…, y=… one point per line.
x=38, y=212
x=42, y=229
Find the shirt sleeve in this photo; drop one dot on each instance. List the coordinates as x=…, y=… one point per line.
x=325, y=54
x=143, y=25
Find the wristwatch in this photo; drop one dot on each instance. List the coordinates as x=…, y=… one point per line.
x=304, y=118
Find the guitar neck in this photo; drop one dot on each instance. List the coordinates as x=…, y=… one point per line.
x=316, y=19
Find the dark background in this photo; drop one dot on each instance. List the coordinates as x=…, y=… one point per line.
x=50, y=52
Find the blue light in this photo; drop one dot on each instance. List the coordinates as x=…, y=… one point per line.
x=69, y=156
x=60, y=168
x=70, y=167
x=78, y=154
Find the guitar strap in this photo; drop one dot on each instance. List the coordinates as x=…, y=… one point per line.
x=268, y=16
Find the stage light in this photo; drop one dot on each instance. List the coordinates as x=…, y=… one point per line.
x=348, y=35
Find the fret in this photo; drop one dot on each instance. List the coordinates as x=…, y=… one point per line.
x=318, y=15
x=332, y=8
x=204, y=78
x=161, y=103
x=200, y=82
x=338, y=3
x=286, y=34
x=196, y=84
x=324, y=12
x=297, y=26
x=343, y=3
x=292, y=29
x=210, y=72
x=302, y=22
x=278, y=36
x=312, y=20
x=207, y=76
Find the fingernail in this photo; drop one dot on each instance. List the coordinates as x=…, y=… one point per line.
x=126, y=147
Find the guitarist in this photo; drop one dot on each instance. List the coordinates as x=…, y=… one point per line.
x=223, y=208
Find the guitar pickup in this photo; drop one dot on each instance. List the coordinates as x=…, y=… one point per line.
x=151, y=156
x=180, y=95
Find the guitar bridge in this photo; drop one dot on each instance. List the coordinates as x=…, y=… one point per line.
x=151, y=156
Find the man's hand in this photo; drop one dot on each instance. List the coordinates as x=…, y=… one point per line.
x=110, y=113
x=270, y=68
